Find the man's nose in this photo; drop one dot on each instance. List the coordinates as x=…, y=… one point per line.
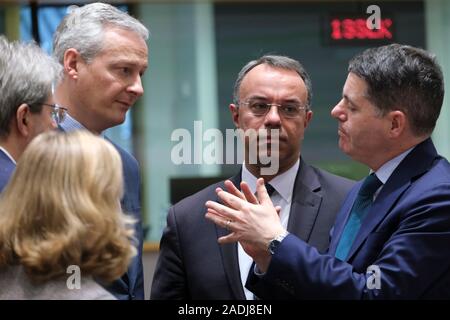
x=136, y=86
x=337, y=111
x=272, y=118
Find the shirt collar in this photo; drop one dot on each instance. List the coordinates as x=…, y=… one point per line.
x=71, y=124
x=386, y=170
x=8, y=155
x=283, y=183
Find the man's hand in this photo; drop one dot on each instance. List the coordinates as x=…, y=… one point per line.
x=253, y=221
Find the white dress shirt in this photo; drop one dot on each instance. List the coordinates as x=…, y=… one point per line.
x=282, y=196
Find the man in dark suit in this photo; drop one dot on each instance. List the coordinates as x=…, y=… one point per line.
x=391, y=236
x=26, y=100
x=273, y=95
x=104, y=54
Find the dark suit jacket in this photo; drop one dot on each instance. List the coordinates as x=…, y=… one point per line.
x=406, y=234
x=192, y=265
x=6, y=169
x=131, y=285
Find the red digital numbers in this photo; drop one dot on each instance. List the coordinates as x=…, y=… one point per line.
x=349, y=29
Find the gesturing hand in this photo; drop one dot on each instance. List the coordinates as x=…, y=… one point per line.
x=253, y=221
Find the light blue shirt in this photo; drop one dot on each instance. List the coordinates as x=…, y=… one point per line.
x=70, y=124
x=386, y=170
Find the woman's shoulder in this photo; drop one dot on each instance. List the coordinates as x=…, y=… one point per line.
x=16, y=285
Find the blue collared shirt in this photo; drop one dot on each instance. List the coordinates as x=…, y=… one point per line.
x=386, y=170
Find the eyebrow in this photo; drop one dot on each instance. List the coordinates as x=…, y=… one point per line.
x=128, y=62
x=262, y=98
x=346, y=97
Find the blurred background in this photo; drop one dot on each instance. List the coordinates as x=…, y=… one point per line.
x=196, y=49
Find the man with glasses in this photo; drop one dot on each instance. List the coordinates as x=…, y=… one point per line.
x=272, y=96
x=58, y=113
x=104, y=54
x=391, y=236
x=27, y=76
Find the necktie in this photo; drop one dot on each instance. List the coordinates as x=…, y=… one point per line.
x=270, y=189
x=360, y=208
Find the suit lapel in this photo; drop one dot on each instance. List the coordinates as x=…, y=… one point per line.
x=230, y=255
x=416, y=163
x=305, y=202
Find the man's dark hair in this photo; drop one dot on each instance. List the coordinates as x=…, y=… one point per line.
x=401, y=77
x=275, y=61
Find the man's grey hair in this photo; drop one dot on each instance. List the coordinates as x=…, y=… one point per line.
x=83, y=29
x=275, y=61
x=27, y=75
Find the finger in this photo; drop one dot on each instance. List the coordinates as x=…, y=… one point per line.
x=218, y=189
x=261, y=191
x=225, y=201
x=278, y=209
x=218, y=220
x=233, y=190
x=248, y=193
x=231, y=200
x=214, y=212
x=229, y=238
x=221, y=210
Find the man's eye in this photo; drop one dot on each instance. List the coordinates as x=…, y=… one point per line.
x=290, y=108
x=125, y=70
x=259, y=106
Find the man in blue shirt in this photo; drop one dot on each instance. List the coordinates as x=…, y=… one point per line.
x=391, y=235
x=104, y=54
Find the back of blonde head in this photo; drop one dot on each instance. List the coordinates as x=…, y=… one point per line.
x=62, y=207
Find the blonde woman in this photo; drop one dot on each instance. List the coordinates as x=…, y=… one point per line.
x=61, y=214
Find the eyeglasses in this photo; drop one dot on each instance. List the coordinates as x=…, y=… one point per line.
x=58, y=112
x=287, y=110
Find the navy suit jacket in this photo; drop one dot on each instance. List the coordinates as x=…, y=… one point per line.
x=192, y=265
x=131, y=285
x=6, y=169
x=406, y=234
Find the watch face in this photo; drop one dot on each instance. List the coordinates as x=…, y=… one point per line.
x=273, y=246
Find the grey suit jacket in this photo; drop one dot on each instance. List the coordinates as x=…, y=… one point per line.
x=192, y=265
x=15, y=285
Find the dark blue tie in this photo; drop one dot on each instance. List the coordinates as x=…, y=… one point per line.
x=360, y=208
x=269, y=188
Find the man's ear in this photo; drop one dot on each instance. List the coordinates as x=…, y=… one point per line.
x=398, y=123
x=234, y=109
x=23, y=119
x=72, y=58
x=308, y=117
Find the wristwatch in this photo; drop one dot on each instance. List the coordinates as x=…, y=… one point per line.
x=275, y=242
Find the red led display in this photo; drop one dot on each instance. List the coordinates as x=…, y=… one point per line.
x=356, y=29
